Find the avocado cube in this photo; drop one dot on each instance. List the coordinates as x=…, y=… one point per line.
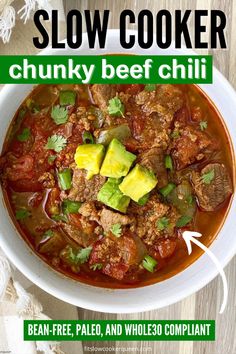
x=89, y=157
x=110, y=195
x=138, y=182
x=117, y=161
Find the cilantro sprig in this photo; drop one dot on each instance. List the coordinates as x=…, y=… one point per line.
x=175, y=134
x=163, y=223
x=208, y=177
x=82, y=256
x=116, y=230
x=96, y=266
x=24, y=136
x=56, y=143
x=48, y=233
x=22, y=214
x=203, y=125
x=52, y=158
x=58, y=217
x=116, y=107
x=59, y=114
x=70, y=206
x=150, y=87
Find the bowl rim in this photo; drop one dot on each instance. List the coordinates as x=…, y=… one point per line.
x=57, y=286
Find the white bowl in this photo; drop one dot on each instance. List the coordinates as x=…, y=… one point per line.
x=150, y=297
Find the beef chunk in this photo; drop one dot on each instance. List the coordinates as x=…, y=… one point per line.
x=109, y=218
x=84, y=189
x=192, y=146
x=117, y=255
x=214, y=191
x=153, y=134
x=47, y=179
x=165, y=101
x=147, y=218
x=102, y=94
x=104, y=217
x=147, y=131
x=89, y=210
x=156, y=111
x=153, y=159
x=166, y=247
x=65, y=130
x=53, y=244
x=115, y=270
x=81, y=231
x=65, y=158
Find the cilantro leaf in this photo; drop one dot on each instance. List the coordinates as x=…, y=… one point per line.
x=59, y=114
x=58, y=217
x=82, y=256
x=116, y=230
x=150, y=87
x=24, y=136
x=36, y=109
x=21, y=114
x=32, y=106
x=162, y=223
x=56, y=143
x=183, y=221
x=52, y=158
x=48, y=233
x=208, y=177
x=22, y=214
x=203, y=124
x=175, y=134
x=70, y=206
x=20, y=117
x=116, y=107
x=71, y=254
x=96, y=266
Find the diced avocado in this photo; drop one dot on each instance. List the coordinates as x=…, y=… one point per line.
x=117, y=161
x=110, y=195
x=89, y=157
x=138, y=182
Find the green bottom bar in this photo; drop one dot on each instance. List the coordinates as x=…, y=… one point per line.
x=75, y=330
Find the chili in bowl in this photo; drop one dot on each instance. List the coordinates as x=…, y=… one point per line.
x=100, y=181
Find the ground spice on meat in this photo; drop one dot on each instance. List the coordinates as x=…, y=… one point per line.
x=147, y=217
x=84, y=189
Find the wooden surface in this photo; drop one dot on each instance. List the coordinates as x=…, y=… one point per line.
x=205, y=304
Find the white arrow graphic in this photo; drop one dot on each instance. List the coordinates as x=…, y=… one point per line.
x=189, y=236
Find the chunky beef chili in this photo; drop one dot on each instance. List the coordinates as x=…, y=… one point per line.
x=102, y=180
